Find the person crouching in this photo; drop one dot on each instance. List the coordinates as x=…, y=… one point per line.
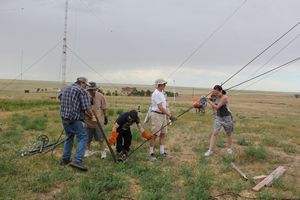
x=121, y=133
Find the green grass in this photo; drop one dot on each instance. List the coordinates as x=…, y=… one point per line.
x=199, y=181
x=243, y=142
x=28, y=123
x=270, y=141
x=189, y=175
x=17, y=104
x=289, y=148
x=257, y=153
x=101, y=185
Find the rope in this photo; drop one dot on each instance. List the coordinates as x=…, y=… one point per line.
x=94, y=13
x=52, y=155
x=208, y=38
x=260, y=54
x=236, y=196
x=267, y=72
x=276, y=54
x=28, y=68
x=89, y=66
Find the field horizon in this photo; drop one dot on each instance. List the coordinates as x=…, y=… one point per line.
x=266, y=135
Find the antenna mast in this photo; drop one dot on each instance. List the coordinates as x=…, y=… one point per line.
x=64, y=55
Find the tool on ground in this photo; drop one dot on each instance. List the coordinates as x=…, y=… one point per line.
x=242, y=174
x=40, y=145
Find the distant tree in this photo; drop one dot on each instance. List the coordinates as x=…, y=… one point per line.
x=115, y=93
x=148, y=93
x=142, y=93
x=101, y=91
x=108, y=93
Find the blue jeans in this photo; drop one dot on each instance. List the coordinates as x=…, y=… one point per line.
x=73, y=128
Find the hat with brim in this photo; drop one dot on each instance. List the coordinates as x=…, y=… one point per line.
x=83, y=80
x=160, y=81
x=92, y=86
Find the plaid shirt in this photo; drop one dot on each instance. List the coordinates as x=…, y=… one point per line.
x=73, y=102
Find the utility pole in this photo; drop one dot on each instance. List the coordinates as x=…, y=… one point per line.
x=22, y=9
x=22, y=64
x=174, y=90
x=64, y=55
x=193, y=93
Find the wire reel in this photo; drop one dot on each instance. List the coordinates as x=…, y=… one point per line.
x=203, y=101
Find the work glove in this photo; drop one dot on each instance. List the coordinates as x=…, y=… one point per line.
x=113, y=137
x=105, y=120
x=147, y=135
x=94, y=119
x=172, y=118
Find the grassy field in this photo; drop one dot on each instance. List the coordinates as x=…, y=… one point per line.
x=267, y=135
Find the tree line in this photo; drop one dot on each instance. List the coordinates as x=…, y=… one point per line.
x=135, y=92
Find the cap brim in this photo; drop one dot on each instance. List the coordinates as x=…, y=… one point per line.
x=92, y=88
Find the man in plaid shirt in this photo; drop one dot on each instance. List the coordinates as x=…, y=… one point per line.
x=74, y=103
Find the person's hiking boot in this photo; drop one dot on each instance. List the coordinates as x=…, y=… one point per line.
x=78, y=165
x=102, y=154
x=152, y=157
x=166, y=156
x=120, y=157
x=229, y=151
x=208, y=153
x=64, y=162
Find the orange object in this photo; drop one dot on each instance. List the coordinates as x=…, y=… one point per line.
x=146, y=135
x=113, y=138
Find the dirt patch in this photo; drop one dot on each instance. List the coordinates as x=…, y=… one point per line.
x=52, y=194
x=134, y=188
x=5, y=115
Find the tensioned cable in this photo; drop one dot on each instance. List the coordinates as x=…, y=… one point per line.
x=267, y=72
x=34, y=63
x=208, y=38
x=75, y=38
x=276, y=54
x=94, y=13
x=89, y=66
x=276, y=68
x=264, y=77
x=260, y=54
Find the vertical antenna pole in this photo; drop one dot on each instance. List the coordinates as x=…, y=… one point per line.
x=64, y=56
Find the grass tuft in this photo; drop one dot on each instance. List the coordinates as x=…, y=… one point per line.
x=258, y=153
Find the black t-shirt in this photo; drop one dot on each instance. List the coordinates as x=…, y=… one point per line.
x=124, y=123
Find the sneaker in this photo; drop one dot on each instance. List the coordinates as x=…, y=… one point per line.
x=121, y=157
x=229, y=151
x=78, y=165
x=208, y=153
x=166, y=156
x=88, y=153
x=152, y=157
x=64, y=162
x=102, y=154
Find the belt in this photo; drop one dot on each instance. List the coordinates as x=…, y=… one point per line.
x=158, y=112
x=67, y=120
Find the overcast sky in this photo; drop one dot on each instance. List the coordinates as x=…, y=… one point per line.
x=138, y=41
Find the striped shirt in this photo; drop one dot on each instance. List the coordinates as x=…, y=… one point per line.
x=73, y=102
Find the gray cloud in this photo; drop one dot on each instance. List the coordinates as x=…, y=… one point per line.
x=118, y=37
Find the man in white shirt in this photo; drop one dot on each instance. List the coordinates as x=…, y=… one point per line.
x=159, y=114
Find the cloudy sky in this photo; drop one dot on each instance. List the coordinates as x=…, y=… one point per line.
x=138, y=41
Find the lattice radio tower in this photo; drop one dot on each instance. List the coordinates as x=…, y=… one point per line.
x=64, y=52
